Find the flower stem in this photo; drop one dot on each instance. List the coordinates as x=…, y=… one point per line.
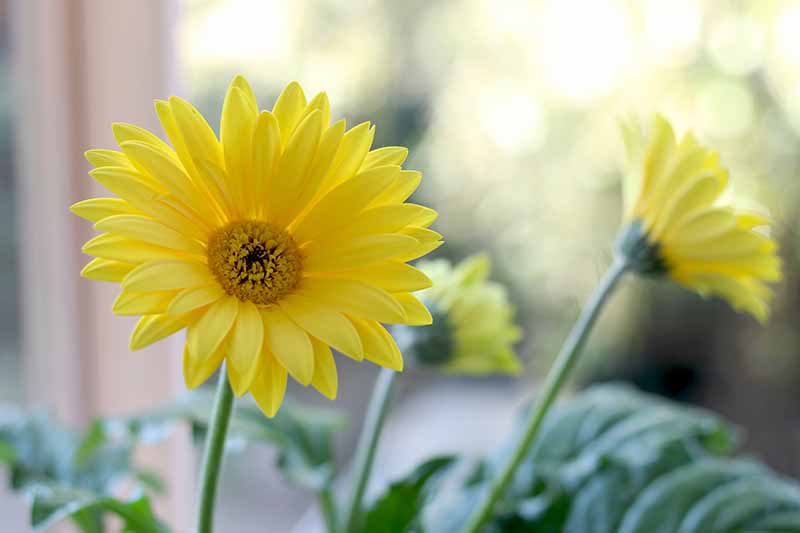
x=215, y=447
x=556, y=377
x=368, y=443
x=328, y=510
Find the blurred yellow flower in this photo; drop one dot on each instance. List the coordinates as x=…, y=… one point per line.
x=282, y=239
x=473, y=330
x=679, y=227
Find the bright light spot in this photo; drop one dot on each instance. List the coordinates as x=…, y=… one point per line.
x=736, y=45
x=787, y=35
x=586, y=47
x=725, y=109
x=671, y=28
x=513, y=120
x=240, y=30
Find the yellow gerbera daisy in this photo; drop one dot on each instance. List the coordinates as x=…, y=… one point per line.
x=282, y=239
x=679, y=227
x=473, y=331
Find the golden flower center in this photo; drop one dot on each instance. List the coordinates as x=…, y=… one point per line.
x=254, y=261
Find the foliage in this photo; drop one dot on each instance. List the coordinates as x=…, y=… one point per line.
x=303, y=436
x=611, y=460
x=617, y=461
x=65, y=474
x=398, y=510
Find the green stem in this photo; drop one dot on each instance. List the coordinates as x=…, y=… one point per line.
x=328, y=510
x=368, y=443
x=556, y=377
x=215, y=447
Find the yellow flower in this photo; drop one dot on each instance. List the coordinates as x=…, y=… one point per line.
x=679, y=227
x=473, y=330
x=283, y=239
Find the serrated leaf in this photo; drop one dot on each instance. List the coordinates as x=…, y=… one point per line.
x=398, y=510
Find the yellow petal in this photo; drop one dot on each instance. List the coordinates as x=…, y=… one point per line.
x=171, y=212
x=142, y=303
x=152, y=328
x=127, y=250
x=244, y=350
x=127, y=183
x=100, y=269
x=290, y=179
x=167, y=275
x=241, y=83
x=417, y=313
x=236, y=133
x=197, y=370
x=288, y=109
x=400, y=189
x=325, y=379
x=186, y=154
x=198, y=142
x=325, y=324
x=270, y=386
x=686, y=202
x=388, y=155
x=207, y=335
x=422, y=249
x=391, y=276
x=199, y=138
x=129, y=132
x=379, y=346
x=354, y=298
x=326, y=151
x=266, y=152
x=194, y=298
x=95, y=209
x=359, y=252
x=320, y=103
x=386, y=219
x=107, y=158
x=169, y=173
x=705, y=225
x=147, y=230
x=352, y=151
x=289, y=344
x=343, y=204
x=423, y=235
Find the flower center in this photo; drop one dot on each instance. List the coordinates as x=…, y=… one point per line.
x=254, y=261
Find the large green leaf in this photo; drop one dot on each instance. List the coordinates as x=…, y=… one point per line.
x=398, y=510
x=613, y=460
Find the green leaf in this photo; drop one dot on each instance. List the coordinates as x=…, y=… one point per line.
x=740, y=505
x=398, y=509
x=66, y=474
x=303, y=436
x=661, y=507
x=52, y=504
x=613, y=460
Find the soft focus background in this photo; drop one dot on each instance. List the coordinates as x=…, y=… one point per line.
x=510, y=110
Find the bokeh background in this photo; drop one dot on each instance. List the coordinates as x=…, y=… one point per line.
x=510, y=110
